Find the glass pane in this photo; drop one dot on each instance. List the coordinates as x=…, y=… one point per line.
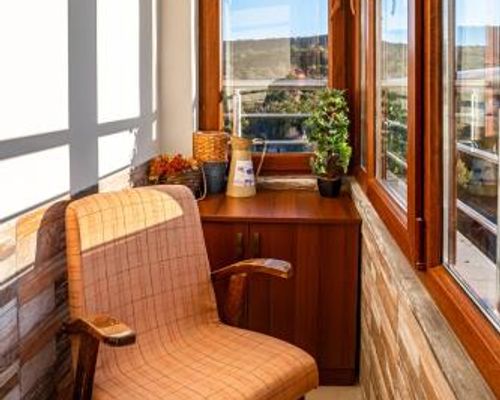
x=33, y=179
x=275, y=55
x=33, y=67
x=472, y=128
x=392, y=96
x=118, y=59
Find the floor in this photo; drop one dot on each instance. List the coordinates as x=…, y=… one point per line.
x=336, y=393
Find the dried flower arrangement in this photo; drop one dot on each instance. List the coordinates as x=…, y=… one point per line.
x=176, y=170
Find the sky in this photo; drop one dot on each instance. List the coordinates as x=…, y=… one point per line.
x=257, y=19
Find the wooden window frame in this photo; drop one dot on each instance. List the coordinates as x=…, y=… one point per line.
x=422, y=238
x=405, y=224
x=210, y=74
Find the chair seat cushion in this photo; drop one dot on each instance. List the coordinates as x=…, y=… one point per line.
x=212, y=361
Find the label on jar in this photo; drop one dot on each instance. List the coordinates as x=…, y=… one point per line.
x=243, y=174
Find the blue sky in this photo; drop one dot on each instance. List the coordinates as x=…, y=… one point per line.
x=257, y=19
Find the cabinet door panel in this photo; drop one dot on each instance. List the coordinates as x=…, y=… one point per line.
x=308, y=260
x=226, y=243
x=338, y=299
x=278, y=315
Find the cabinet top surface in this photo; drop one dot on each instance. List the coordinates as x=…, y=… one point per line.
x=281, y=206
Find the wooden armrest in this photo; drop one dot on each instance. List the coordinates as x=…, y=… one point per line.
x=267, y=266
x=103, y=328
x=237, y=273
x=93, y=330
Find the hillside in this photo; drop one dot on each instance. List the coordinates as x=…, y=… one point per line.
x=278, y=58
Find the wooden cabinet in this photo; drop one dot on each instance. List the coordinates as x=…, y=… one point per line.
x=317, y=309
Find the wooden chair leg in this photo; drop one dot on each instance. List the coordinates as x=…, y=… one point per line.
x=233, y=307
x=85, y=369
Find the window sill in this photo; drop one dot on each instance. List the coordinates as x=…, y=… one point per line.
x=474, y=331
x=288, y=182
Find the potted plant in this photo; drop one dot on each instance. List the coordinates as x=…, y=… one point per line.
x=327, y=130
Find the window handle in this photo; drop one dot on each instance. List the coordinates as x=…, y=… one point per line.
x=240, y=250
x=255, y=245
x=336, y=5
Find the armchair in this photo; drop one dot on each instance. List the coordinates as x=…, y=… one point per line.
x=138, y=256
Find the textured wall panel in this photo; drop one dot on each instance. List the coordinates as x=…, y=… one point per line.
x=408, y=351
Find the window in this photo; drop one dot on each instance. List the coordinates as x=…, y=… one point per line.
x=275, y=56
x=392, y=97
x=472, y=133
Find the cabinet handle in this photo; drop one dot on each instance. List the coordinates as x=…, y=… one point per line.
x=239, y=246
x=255, y=245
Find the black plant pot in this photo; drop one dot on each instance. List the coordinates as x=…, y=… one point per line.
x=329, y=187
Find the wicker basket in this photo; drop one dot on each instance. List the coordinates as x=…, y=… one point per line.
x=210, y=146
x=193, y=179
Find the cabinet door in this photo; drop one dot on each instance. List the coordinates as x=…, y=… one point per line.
x=307, y=265
x=226, y=243
x=338, y=304
x=271, y=301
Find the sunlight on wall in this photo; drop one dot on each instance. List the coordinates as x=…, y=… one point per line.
x=111, y=160
x=118, y=59
x=154, y=41
x=58, y=134
x=34, y=67
x=33, y=178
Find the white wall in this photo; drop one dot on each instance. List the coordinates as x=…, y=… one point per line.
x=178, y=76
x=53, y=109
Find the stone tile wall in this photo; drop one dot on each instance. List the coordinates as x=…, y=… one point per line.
x=35, y=360
x=408, y=350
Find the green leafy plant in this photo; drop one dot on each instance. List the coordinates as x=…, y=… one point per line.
x=327, y=130
x=464, y=174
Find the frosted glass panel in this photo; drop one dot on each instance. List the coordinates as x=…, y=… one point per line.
x=118, y=59
x=33, y=179
x=115, y=152
x=33, y=67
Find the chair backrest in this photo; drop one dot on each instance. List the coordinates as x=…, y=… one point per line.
x=139, y=255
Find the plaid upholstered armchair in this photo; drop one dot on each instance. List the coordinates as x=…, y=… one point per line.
x=138, y=257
